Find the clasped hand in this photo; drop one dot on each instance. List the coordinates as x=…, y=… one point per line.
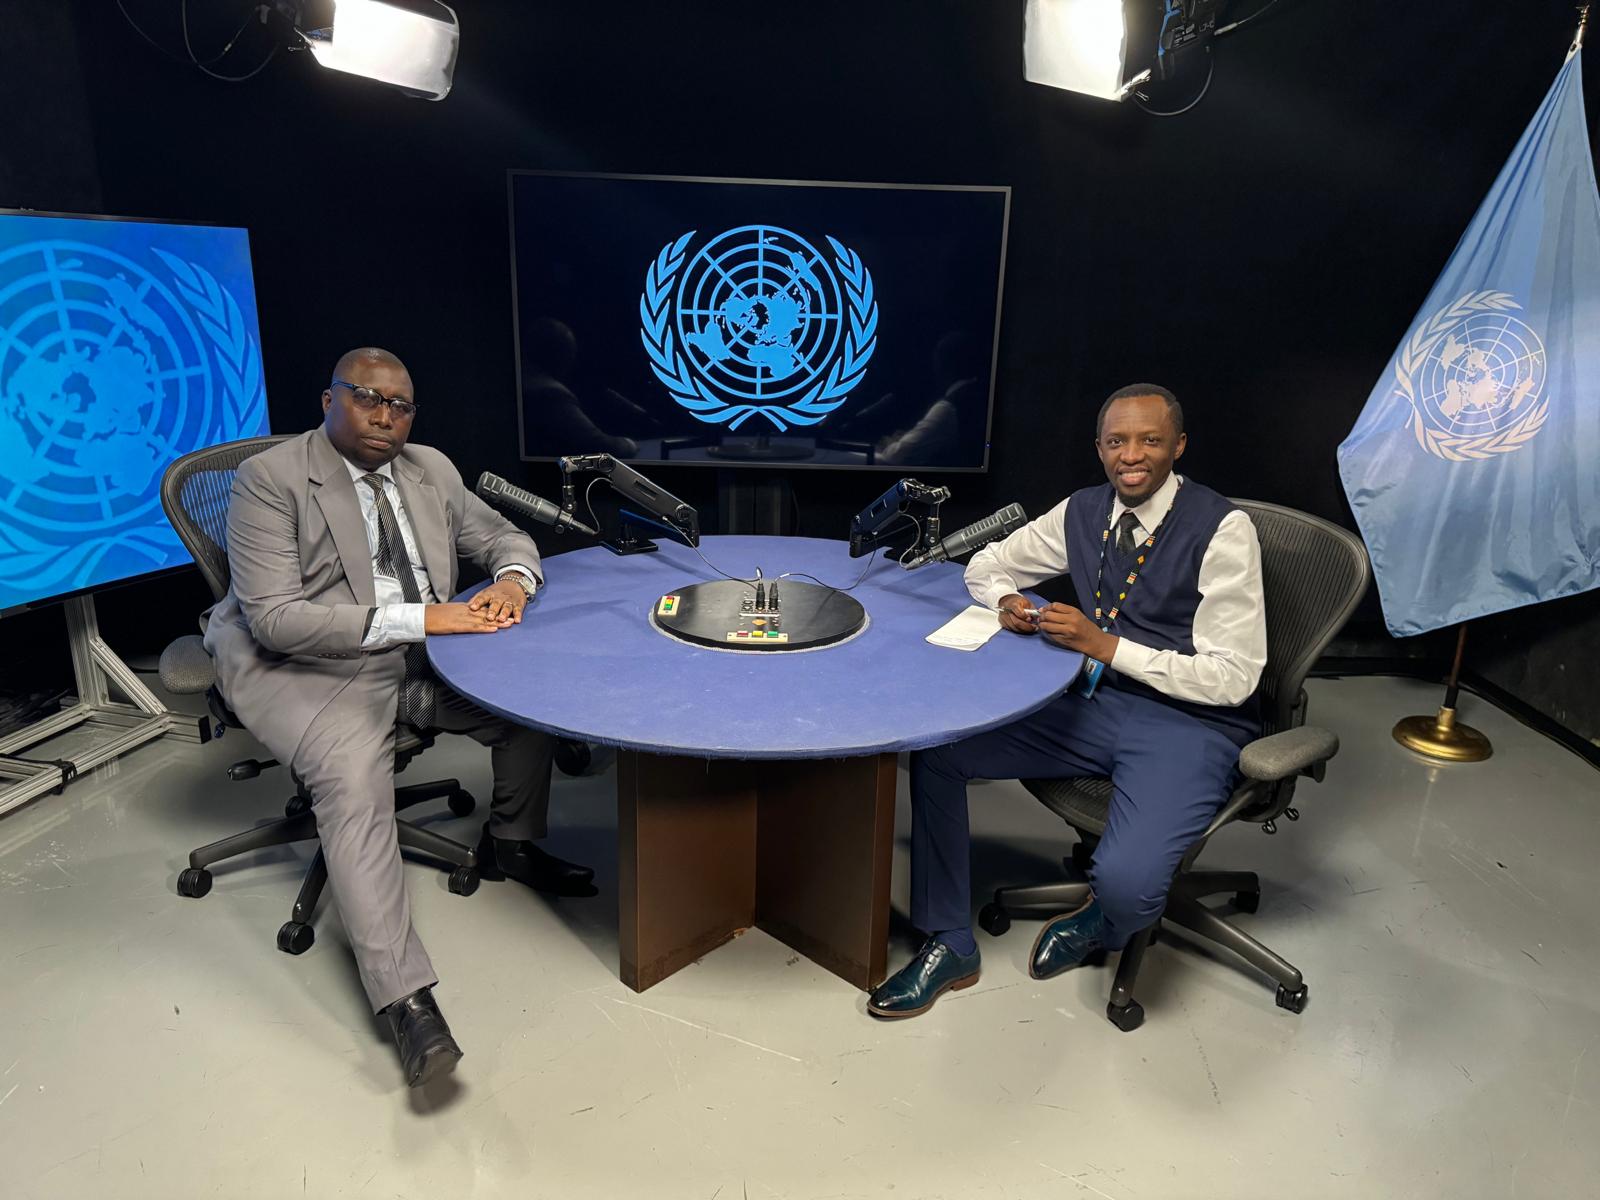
x=1062, y=624
x=492, y=609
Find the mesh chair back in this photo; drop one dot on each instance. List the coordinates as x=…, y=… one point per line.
x=195, y=491
x=1313, y=575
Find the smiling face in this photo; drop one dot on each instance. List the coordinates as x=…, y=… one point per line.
x=1138, y=443
x=368, y=437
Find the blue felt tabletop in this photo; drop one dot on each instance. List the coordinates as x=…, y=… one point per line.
x=586, y=661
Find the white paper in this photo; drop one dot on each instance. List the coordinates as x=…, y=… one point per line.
x=968, y=630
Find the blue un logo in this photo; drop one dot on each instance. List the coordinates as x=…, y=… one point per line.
x=109, y=370
x=758, y=322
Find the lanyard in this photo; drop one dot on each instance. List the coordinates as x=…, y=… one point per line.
x=1104, y=618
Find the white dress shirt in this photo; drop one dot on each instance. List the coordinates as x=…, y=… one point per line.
x=1230, y=624
x=395, y=621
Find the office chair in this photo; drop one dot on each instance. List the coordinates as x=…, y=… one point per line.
x=1313, y=574
x=195, y=492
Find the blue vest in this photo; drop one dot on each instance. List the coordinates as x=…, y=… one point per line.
x=1159, y=611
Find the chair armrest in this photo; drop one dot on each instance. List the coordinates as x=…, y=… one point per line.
x=1297, y=751
x=186, y=669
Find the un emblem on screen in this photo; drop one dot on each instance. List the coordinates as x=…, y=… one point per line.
x=758, y=322
x=1474, y=376
x=108, y=370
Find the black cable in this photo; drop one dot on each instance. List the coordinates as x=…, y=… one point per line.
x=1211, y=70
x=192, y=60
x=902, y=556
x=594, y=521
x=127, y=16
x=871, y=558
x=1243, y=21
x=835, y=588
x=749, y=583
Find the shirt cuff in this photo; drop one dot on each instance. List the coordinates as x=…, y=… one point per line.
x=1132, y=659
x=996, y=592
x=392, y=624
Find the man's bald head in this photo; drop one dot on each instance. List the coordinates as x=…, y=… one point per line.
x=366, y=356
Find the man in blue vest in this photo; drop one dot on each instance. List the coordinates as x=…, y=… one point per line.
x=1167, y=575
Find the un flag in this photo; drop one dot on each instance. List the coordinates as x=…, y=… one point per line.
x=1474, y=469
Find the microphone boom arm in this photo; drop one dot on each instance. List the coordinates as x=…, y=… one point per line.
x=674, y=513
x=871, y=526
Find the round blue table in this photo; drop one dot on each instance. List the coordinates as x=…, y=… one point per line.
x=754, y=788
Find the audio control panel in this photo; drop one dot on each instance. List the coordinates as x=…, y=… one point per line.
x=760, y=617
x=737, y=614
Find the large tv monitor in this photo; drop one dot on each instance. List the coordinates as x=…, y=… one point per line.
x=124, y=344
x=756, y=322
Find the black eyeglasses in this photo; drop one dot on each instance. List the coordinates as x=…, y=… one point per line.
x=366, y=397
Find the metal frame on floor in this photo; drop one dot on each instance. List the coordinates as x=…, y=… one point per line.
x=140, y=718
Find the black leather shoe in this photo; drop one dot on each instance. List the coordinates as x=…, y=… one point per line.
x=503, y=858
x=914, y=987
x=1070, y=941
x=426, y=1048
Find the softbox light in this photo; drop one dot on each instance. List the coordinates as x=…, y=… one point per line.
x=1079, y=45
x=410, y=44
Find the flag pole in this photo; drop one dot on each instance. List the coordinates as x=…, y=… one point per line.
x=1441, y=737
x=1583, y=23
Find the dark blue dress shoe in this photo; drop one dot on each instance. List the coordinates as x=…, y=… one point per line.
x=914, y=987
x=1070, y=941
x=426, y=1048
x=505, y=858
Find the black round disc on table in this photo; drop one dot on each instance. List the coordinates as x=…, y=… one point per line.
x=726, y=614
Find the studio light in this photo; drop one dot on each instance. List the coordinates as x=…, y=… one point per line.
x=410, y=44
x=1117, y=49
x=1079, y=45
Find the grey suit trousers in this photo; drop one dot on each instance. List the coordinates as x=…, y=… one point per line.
x=346, y=761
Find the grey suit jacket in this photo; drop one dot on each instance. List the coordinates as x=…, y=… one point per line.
x=287, y=636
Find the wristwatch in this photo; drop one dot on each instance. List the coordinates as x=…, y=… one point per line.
x=528, y=586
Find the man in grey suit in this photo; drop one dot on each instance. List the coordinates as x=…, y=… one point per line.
x=342, y=545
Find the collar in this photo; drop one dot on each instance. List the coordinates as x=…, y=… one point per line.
x=359, y=473
x=1149, y=513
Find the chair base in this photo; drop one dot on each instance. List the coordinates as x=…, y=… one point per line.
x=1183, y=910
x=296, y=935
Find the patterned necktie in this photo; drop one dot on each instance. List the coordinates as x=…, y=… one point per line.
x=418, y=695
x=1125, y=527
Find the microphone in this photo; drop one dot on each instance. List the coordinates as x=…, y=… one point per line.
x=980, y=533
x=508, y=496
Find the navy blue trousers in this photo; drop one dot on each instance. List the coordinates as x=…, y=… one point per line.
x=1170, y=774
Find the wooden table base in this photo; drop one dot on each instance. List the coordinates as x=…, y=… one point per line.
x=800, y=849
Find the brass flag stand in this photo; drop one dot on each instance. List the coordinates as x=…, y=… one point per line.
x=1441, y=737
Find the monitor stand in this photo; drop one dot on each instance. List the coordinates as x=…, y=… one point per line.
x=760, y=448
x=123, y=724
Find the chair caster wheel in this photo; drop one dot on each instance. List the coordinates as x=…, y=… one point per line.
x=1294, y=1001
x=1127, y=1017
x=1246, y=902
x=572, y=757
x=462, y=803
x=994, y=920
x=295, y=938
x=298, y=806
x=194, y=882
x=463, y=881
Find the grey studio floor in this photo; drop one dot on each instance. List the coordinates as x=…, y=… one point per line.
x=1444, y=918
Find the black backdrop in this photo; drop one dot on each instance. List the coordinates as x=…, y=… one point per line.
x=1260, y=255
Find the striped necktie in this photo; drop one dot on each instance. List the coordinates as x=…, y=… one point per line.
x=418, y=693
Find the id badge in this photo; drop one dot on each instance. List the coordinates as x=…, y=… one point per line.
x=1088, y=678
